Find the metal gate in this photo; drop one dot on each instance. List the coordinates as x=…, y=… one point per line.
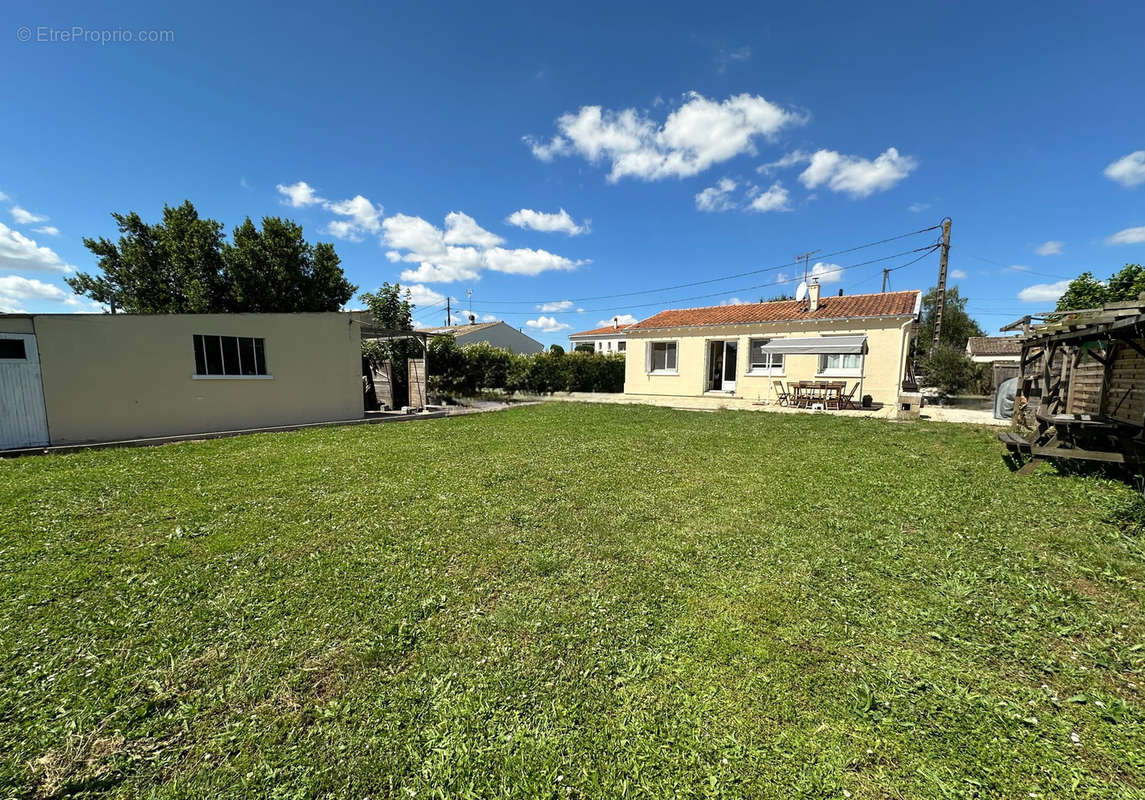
x=23, y=420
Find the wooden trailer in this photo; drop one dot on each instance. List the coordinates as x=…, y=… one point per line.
x=1081, y=388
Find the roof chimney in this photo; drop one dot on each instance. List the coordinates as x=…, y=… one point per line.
x=472, y=319
x=813, y=295
x=615, y=323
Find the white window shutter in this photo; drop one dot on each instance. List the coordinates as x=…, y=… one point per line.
x=648, y=356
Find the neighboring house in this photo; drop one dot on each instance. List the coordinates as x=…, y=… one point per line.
x=988, y=349
x=73, y=378
x=498, y=334
x=609, y=339
x=1003, y=353
x=741, y=350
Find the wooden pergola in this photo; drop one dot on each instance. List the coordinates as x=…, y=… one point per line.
x=1081, y=390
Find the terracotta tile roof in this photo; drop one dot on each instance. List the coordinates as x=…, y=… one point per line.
x=851, y=306
x=607, y=329
x=994, y=346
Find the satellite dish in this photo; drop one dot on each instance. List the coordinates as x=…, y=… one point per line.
x=801, y=292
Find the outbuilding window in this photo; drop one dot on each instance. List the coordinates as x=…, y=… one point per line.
x=661, y=357
x=13, y=348
x=229, y=356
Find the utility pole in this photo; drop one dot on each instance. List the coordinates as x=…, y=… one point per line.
x=886, y=274
x=448, y=314
x=940, y=299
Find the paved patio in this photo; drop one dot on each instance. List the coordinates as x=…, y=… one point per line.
x=721, y=403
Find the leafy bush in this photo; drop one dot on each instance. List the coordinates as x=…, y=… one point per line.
x=465, y=371
x=951, y=371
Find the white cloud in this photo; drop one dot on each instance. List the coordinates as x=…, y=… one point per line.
x=463, y=229
x=560, y=222
x=25, y=217
x=734, y=301
x=1043, y=292
x=726, y=57
x=422, y=296
x=547, y=324
x=789, y=160
x=4, y=198
x=718, y=197
x=1129, y=171
x=856, y=176
x=299, y=195
x=438, y=261
x=1017, y=268
x=362, y=216
x=1050, y=248
x=17, y=251
x=827, y=273
x=559, y=305
x=15, y=290
x=1128, y=236
x=915, y=208
x=49, y=230
x=698, y=134
x=526, y=261
x=621, y=320
x=959, y=274
x=774, y=199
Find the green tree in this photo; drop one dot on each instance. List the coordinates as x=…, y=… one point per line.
x=172, y=267
x=183, y=265
x=957, y=324
x=392, y=308
x=276, y=270
x=948, y=368
x=1084, y=291
x=1127, y=284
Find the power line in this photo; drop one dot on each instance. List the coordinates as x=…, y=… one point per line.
x=788, y=265
x=669, y=303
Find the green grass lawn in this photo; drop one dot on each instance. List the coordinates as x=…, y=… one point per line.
x=570, y=601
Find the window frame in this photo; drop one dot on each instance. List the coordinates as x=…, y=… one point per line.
x=841, y=371
x=255, y=346
x=649, y=367
x=771, y=368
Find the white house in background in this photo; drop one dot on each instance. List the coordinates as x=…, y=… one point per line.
x=989, y=349
x=609, y=339
x=498, y=334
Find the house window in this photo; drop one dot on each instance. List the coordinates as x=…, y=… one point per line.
x=600, y=345
x=231, y=356
x=840, y=364
x=661, y=356
x=610, y=346
x=762, y=361
x=620, y=346
x=12, y=348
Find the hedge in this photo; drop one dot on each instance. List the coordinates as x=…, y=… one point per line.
x=466, y=370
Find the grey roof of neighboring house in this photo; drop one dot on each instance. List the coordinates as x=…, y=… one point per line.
x=994, y=346
x=456, y=329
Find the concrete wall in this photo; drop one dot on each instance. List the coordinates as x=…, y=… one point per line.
x=500, y=335
x=887, y=342
x=109, y=377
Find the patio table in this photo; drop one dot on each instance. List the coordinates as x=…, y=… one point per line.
x=808, y=393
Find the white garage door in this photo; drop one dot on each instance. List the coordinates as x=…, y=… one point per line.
x=23, y=421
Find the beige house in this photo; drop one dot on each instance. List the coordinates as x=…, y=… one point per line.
x=743, y=350
x=72, y=378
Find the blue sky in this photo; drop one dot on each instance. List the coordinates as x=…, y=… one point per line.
x=439, y=144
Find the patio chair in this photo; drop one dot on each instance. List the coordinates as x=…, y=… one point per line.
x=847, y=400
x=782, y=397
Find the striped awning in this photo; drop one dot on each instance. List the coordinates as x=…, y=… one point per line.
x=817, y=344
